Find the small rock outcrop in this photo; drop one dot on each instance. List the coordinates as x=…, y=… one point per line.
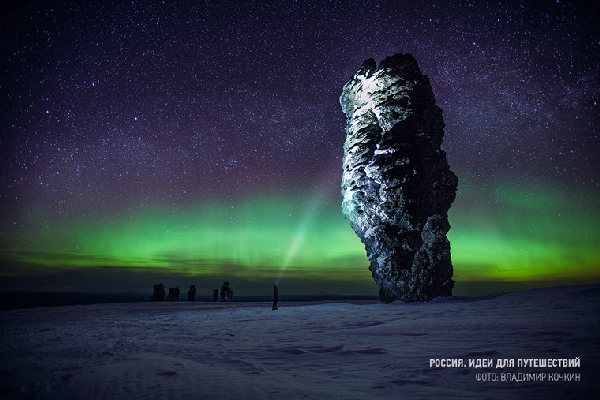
x=159, y=293
x=192, y=293
x=226, y=292
x=173, y=294
x=397, y=186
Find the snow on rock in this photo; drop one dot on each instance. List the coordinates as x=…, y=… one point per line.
x=396, y=185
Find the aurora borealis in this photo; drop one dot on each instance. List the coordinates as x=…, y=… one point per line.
x=190, y=144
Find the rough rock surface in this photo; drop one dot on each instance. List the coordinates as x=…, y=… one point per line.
x=192, y=293
x=174, y=293
x=226, y=292
x=159, y=293
x=396, y=185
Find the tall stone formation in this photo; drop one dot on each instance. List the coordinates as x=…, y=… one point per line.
x=397, y=185
x=159, y=293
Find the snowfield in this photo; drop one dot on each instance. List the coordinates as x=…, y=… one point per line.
x=344, y=350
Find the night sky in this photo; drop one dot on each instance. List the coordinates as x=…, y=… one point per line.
x=192, y=142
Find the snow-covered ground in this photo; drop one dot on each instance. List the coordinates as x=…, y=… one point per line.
x=318, y=351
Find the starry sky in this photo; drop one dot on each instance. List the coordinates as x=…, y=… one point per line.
x=190, y=142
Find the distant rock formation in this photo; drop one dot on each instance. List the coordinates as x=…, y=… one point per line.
x=159, y=293
x=226, y=292
x=173, y=294
x=397, y=187
x=192, y=293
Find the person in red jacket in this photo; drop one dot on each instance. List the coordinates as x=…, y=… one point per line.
x=275, y=297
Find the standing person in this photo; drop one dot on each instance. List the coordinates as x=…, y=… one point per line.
x=275, y=297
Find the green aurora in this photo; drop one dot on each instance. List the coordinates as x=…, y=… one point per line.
x=505, y=234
